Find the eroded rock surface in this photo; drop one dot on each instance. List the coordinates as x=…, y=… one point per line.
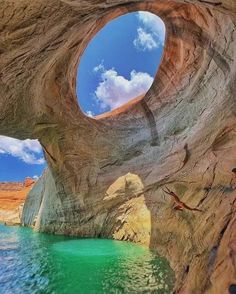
x=12, y=198
x=106, y=174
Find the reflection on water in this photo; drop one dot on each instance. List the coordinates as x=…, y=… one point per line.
x=39, y=263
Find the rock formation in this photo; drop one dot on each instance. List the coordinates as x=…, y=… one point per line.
x=28, y=182
x=12, y=198
x=106, y=175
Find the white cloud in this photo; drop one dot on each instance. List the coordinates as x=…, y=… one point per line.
x=115, y=90
x=29, y=151
x=145, y=41
x=90, y=113
x=36, y=177
x=152, y=33
x=99, y=67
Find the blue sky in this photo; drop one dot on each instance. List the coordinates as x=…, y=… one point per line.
x=118, y=64
x=20, y=158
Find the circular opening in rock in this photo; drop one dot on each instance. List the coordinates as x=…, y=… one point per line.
x=120, y=62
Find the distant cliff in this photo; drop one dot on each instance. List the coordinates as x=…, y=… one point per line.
x=12, y=197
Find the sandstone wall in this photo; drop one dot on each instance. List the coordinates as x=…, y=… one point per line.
x=11, y=186
x=106, y=174
x=12, y=198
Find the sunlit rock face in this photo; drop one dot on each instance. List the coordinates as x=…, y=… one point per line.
x=12, y=198
x=106, y=175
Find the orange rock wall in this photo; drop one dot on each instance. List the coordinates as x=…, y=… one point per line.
x=12, y=196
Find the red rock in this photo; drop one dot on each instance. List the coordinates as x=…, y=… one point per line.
x=12, y=197
x=28, y=182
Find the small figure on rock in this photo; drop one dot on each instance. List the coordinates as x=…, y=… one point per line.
x=179, y=204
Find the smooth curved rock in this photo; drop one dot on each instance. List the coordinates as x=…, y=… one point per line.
x=107, y=170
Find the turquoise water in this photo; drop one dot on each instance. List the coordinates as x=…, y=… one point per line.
x=32, y=262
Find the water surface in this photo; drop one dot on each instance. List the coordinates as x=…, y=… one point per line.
x=33, y=262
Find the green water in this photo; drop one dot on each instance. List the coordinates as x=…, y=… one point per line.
x=32, y=262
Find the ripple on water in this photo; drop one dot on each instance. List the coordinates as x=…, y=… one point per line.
x=38, y=263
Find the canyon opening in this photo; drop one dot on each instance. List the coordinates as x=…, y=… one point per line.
x=142, y=198
x=21, y=164
x=120, y=62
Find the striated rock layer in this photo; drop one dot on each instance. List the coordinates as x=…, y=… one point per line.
x=106, y=175
x=12, y=198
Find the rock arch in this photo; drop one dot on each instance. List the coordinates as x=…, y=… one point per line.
x=180, y=134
